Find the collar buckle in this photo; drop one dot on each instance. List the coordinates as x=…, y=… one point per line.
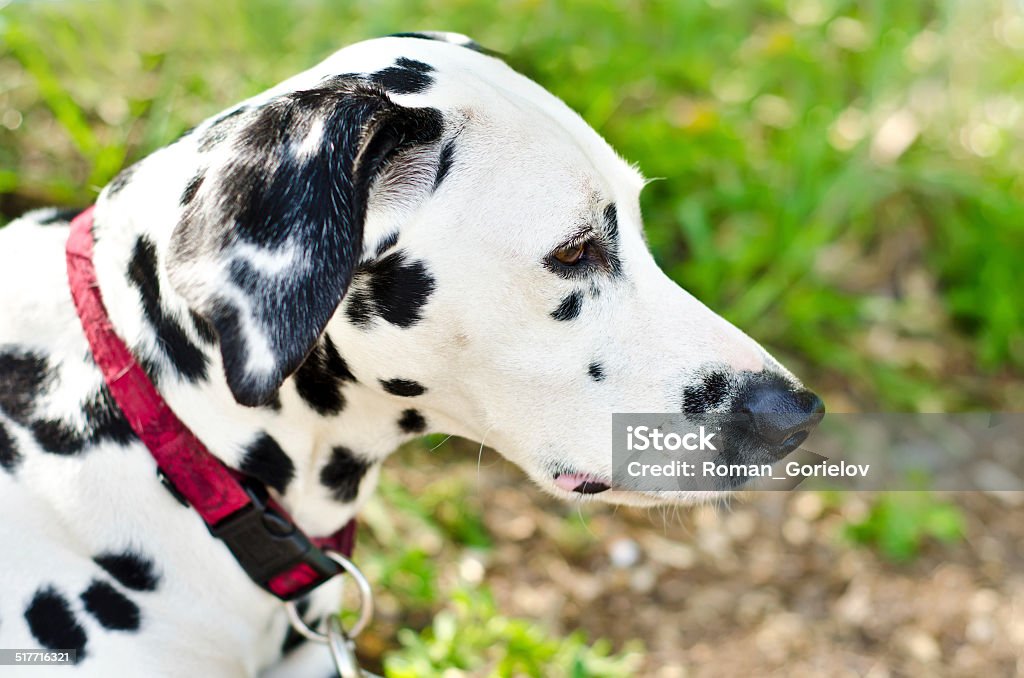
x=268, y=545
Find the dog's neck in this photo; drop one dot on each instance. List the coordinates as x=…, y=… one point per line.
x=321, y=440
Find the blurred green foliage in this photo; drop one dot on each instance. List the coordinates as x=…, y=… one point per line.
x=469, y=634
x=899, y=524
x=413, y=550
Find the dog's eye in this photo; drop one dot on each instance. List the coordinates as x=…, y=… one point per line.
x=570, y=255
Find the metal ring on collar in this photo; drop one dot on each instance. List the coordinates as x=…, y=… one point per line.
x=365, y=604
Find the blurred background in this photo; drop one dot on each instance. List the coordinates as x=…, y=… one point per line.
x=840, y=178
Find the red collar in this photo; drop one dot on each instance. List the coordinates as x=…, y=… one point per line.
x=271, y=549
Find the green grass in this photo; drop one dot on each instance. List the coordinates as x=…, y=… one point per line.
x=840, y=178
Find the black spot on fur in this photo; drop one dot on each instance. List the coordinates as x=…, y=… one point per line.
x=444, y=163
x=611, y=222
x=122, y=179
x=104, y=422
x=407, y=76
x=184, y=356
x=343, y=473
x=110, y=607
x=57, y=437
x=220, y=129
x=709, y=394
x=189, y=194
x=403, y=387
x=292, y=638
x=412, y=422
x=569, y=308
x=22, y=377
x=469, y=44
x=267, y=462
x=611, y=239
x=387, y=243
x=130, y=569
x=319, y=379
x=596, y=371
x=9, y=455
x=269, y=195
x=53, y=624
x=393, y=288
x=203, y=327
x=59, y=216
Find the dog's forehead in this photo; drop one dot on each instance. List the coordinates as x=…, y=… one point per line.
x=477, y=93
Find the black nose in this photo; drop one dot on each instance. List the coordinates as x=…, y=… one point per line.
x=778, y=414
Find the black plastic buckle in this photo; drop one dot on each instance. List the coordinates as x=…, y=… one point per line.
x=266, y=544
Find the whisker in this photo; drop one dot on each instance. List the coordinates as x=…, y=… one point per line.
x=446, y=439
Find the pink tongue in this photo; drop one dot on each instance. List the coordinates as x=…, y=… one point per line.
x=570, y=481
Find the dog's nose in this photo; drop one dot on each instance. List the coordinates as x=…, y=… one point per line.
x=782, y=417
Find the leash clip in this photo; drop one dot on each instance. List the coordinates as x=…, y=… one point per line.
x=341, y=642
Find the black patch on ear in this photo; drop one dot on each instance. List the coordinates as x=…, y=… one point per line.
x=53, y=624
x=707, y=395
x=184, y=356
x=320, y=377
x=392, y=288
x=110, y=607
x=271, y=196
x=267, y=462
x=189, y=194
x=412, y=422
x=387, y=243
x=122, y=179
x=444, y=162
x=569, y=308
x=219, y=130
x=403, y=387
x=343, y=473
x=274, y=405
x=9, y=454
x=596, y=371
x=132, y=570
x=407, y=76
x=22, y=376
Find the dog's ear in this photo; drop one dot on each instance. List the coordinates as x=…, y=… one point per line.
x=272, y=229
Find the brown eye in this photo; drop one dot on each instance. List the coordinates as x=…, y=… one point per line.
x=570, y=255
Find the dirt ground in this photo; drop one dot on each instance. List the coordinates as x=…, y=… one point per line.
x=762, y=586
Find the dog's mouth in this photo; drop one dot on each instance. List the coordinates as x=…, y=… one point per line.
x=581, y=483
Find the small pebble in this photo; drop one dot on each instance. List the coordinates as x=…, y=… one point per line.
x=624, y=553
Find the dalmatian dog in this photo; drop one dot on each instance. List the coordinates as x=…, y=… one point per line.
x=409, y=237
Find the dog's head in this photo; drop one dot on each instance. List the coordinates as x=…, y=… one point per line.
x=472, y=246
